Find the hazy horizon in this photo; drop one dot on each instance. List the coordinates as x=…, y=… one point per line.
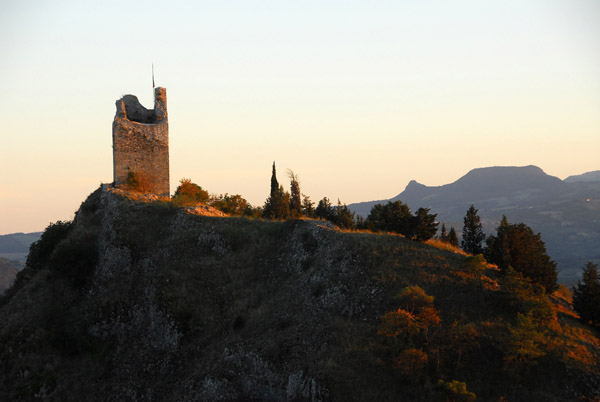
x=357, y=99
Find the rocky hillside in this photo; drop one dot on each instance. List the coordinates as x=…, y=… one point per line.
x=567, y=214
x=139, y=301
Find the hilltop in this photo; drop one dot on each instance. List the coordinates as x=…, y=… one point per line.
x=566, y=213
x=144, y=301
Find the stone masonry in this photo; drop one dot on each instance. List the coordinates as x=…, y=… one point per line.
x=141, y=143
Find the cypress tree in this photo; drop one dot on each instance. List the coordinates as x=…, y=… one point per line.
x=277, y=205
x=274, y=183
x=472, y=235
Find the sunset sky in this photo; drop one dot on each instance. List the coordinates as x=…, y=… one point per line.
x=356, y=97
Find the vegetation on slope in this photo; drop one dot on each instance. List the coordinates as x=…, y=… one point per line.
x=141, y=301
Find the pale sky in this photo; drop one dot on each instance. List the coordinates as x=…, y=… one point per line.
x=356, y=97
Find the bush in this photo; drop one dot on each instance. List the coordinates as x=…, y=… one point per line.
x=476, y=264
x=455, y=391
x=138, y=182
x=396, y=217
x=41, y=250
x=189, y=193
x=75, y=259
x=234, y=205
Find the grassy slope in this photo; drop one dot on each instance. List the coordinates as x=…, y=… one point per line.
x=197, y=308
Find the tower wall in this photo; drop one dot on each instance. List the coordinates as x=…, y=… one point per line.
x=141, y=143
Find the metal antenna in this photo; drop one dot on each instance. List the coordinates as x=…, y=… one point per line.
x=153, y=86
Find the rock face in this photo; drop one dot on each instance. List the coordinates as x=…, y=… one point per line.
x=141, y=142
x=143, y=301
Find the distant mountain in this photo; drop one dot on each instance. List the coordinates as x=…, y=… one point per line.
x=15, y=246
x=589, y=176
x=567, y=214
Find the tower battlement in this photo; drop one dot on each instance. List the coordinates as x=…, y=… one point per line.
x=141, y=143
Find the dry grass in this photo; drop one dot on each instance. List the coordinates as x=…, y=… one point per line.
x=445, y=246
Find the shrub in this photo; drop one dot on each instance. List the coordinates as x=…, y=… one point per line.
x=413, y=298
x=475, y=264
x=75, y=259
x=523, y=343
x=138, y=182
x=189, y=193
x=41, y=250
x=455, y=391
x=234, y=205
x=411, y=362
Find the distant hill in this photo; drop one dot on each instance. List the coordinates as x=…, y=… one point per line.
x=145, y=302
x=567, y=214
x=589, y=176
x=15, y=246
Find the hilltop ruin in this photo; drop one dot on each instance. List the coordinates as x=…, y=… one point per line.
x=141, y=143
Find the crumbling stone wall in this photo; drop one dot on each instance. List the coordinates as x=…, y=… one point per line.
x=141, y=142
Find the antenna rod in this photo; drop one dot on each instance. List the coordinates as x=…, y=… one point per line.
x=153, y=86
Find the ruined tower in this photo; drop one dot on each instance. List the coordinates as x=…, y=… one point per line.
x=141, y=143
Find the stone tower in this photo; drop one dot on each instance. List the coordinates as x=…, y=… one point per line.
x=141, y=143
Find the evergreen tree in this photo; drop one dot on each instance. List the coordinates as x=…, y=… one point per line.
x=324, y=209
x=274, y=182
x=517, y=246
x=281, y=207
x=343, y=217
x=495, y=247
x=472, y=234
x=277, y=205
x=444, y=235
x=524, y=342
x=395, y=216
x=425, y=226
x=452, y=237
x=295, y=202
x=308, y=207
x=586, y=295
